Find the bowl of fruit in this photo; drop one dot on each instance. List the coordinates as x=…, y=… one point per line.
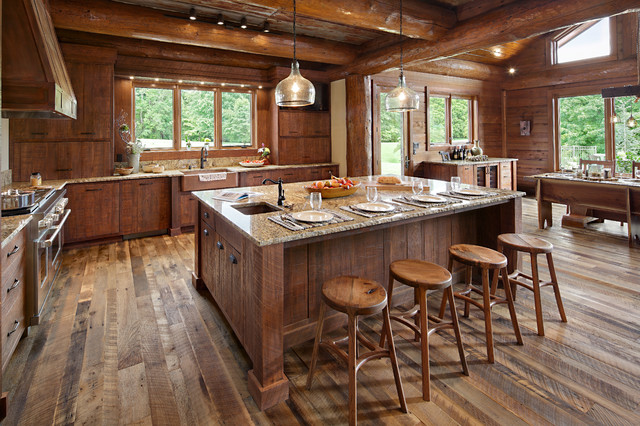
x=334, y=187
x=252, y=163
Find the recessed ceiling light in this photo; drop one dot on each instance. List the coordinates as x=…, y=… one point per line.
x=131, y=77
x=242, y=85
x=243, y=23
x=220, y=19
x=259, y=87
x=202, y=82
x=512, y=70
x=192, y=14
x=497, y=53
x=156, y=79
x=223, y=84
x=265, y=28
x=179, y=81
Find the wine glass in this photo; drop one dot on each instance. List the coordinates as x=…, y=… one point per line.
x=417, y=187
x=315, y=200
x=372, y=194
x=455, y=183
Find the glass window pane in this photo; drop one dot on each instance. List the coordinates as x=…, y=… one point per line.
x=198, y=118
x=627, y=138
x=437, y=121
x=154, y=117
x=236, y=119
x=390, y=139
x=460, y=120
x=591, y=43
x=581, y=129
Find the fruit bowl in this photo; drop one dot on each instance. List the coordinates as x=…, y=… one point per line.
x=124, y=170
x=334, y=192
x=252, y=163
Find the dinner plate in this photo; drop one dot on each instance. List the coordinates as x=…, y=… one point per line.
x=375, y=207
x=425, y=198
x=312, y=216
x=469, y=191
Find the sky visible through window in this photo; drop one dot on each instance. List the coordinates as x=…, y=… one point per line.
x=592, y=43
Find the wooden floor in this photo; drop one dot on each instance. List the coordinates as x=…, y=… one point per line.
x=126, y=339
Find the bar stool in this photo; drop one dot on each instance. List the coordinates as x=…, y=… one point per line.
x=356, y=296
x=534, y=246
x=425, y=277
x=486, y=260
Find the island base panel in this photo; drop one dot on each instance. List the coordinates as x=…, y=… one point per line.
x=268, y=396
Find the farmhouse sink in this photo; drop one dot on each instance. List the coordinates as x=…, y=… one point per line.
x=257, y=208
x=201, y=179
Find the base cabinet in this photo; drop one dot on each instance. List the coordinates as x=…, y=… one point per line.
x=95, y=211
x=491, y=175
x=145, y=205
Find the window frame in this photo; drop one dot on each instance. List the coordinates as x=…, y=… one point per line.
x=177, y=88
x=448, y=128
x=574, y=31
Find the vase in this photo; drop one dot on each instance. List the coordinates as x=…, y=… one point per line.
x=476, y=150
x=134, y=161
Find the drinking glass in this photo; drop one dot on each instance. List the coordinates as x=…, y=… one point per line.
x=637, y=173
x=417, y=187
x=455, y=183
x=315, y=200
x=372, y=194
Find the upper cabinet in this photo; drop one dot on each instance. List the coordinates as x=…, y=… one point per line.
x=304, y=137
x=91, y=71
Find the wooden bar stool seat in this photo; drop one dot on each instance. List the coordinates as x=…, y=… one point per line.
x=425, y=277
x=356, y=296
x=534, y=246
x=486, y=260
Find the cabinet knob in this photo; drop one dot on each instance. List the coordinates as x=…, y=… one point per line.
x=220, y=246
x=205, y=232
x=206, y=214
x=233, y=259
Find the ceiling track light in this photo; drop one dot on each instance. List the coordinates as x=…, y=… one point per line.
x=265, y=28
x=243, y=23
x=192, y=14
x=220, y=20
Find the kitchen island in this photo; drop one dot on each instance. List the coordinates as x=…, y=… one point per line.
x=266, y=279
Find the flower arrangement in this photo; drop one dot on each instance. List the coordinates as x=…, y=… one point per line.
x=125, y=135
x=264, y=152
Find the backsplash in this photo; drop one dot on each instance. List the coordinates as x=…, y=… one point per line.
x=193, y=163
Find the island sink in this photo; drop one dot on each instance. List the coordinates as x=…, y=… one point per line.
x=256, y=208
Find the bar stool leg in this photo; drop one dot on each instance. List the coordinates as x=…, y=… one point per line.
x=443, y=305
x=316, y=345
x=416, y=317
x=556, y=288
x=353, y=387
x=389, y=295
x=448, y=293
x=468, y=273
x=536, y=293
x=486, y=307
x=512, y=308
x=394, y=360
x=424, y=337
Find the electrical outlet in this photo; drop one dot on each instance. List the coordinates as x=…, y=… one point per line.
x=416, y=145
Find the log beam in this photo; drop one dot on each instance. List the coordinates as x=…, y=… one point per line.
x=514, y=21
x=118, y=19
x=459, y=68
x=359, y=130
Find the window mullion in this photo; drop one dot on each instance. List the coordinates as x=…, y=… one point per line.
x=177, y=118
x=218, y=119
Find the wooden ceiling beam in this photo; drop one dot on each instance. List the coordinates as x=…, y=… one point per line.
x=420, y=19
x=118, y=19
x=514, y=21
x=459, y=68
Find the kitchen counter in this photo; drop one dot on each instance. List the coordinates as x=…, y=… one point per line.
x=12, y=225
x=467, y=163
x=266, y=279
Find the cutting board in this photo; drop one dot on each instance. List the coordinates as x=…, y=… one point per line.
x=404, y=186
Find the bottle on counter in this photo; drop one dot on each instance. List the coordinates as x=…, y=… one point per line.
x=36, y=179
x=455, y=153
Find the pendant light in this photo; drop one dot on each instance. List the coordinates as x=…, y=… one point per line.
x=631, y=122
x=402, y=98
x=295, y=90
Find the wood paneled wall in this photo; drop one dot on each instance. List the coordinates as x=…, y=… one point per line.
x=529, y=95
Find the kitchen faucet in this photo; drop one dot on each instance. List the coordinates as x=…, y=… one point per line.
x=280, y=190
x=204, y=153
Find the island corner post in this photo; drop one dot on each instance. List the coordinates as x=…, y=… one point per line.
x=271, y=302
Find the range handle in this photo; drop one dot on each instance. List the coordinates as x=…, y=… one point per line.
x=49, y=242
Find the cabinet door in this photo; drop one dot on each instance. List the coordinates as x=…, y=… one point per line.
x=317, y=124
x=210, y=256
x=95, y=211
x=487, y=175
x=146, y=205
x=29, y=157
x=467, y=174
x=291, y=123
x=96, y=102
x=188, y=209
x=68, y=159
x=229, y=288
x=505, y=178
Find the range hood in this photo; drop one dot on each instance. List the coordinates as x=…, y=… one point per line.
x=35, y=82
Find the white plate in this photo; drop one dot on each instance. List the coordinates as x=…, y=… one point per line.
x=312, y=216
x=469, y=191
x=375, y=207
x=425, y=198
x=243, y=164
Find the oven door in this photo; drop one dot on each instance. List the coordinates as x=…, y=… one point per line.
x=57, y=241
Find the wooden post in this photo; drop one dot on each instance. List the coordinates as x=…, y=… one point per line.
x=359, y=135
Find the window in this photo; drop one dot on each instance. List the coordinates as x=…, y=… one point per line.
x=391, y=152
x=585, y=41
x=582, y=129
x=169, y=116
x=626, y=135
x=451, y=119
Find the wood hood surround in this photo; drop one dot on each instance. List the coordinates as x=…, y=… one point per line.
x=35, y=82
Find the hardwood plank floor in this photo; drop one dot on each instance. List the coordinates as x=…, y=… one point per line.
x=126, y=339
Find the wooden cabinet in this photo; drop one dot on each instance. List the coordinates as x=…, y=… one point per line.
x=95, y=211
x=487, y=175
x=145, y=205
x=13, y=294
x=288, y=175
x=188, y=209
x=303, y=137
x=209, y=253
x=491, y=175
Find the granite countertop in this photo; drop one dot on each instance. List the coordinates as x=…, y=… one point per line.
x=620, y=181
x=467, y=163
x=262, y=231
x=12, y=225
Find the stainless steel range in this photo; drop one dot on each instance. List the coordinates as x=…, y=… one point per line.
x=46, y=234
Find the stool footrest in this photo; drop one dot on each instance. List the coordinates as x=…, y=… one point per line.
x=464, y=295
x=374, y=353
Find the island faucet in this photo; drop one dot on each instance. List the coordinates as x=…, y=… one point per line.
x=280, y=190
x=204, y=153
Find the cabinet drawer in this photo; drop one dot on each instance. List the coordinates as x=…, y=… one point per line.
x=13, y=282
x=13, y=324
x=14, y=251
x=206, y=214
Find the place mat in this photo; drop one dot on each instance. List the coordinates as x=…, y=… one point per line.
x=467, y=197
x=408, y=200
x=286, y=221
x=398, y=209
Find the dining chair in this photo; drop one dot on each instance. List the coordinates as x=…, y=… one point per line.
x=606, y=163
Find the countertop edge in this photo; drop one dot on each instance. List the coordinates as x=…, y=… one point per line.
x=12, y=225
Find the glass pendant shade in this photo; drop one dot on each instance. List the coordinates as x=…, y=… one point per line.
x=402, y=98
x=295, y=90
x=631, y=122
x=614, y=118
